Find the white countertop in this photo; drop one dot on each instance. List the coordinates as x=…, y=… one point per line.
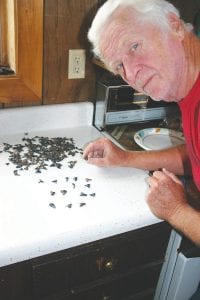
x=29, y=226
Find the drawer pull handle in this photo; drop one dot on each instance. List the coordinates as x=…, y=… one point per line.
x=109, y=266
x=106, y=298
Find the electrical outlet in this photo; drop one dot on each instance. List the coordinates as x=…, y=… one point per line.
x=76, y=65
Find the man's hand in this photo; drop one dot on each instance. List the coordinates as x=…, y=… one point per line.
x=103, y=153
x=166, y=197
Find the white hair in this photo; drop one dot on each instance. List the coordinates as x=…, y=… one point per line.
x=155, y=11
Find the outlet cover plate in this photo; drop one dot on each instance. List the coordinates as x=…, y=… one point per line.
x=76, y=64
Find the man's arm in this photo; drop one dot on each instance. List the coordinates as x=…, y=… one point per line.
x=173, y=159
x=104, y=153
x=187, y=221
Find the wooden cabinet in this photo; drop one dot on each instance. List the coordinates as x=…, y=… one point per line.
x=126, y=266
x=26, y=83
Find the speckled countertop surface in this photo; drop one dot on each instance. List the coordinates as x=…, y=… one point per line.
x=36, y=216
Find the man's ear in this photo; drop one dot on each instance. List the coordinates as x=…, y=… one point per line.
x=176, y=25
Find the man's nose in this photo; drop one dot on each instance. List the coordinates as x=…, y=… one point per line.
x=130, y=68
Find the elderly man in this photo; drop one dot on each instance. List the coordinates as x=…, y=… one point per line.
x=155, y=52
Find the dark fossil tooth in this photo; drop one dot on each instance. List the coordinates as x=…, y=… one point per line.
x=72, y=163
x=88, y=179
x=69, y=205
x=16, y=173
x=93, y=195
x=64, y=192
x=87, y=185
x=52, y=193
x=52, y=205
x=82, y=204
x=83, y=194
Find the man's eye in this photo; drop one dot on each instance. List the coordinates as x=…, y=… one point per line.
x=118, y=67
x=134, y=46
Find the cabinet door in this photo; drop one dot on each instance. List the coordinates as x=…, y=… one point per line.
x=26, y=84
x=16, y=282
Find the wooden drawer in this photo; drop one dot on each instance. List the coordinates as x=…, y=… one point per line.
x=138, y=285
x=123, y=286
x=116, y=256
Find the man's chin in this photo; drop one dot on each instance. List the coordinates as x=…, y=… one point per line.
x=156, y=98
x=160, y=96
x=153, y=96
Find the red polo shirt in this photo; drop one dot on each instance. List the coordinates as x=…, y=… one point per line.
x=190, y=109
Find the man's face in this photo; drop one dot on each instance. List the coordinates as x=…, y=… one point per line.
x=148, y=59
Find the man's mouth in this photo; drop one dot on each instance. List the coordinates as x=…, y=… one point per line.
x=145, y=85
